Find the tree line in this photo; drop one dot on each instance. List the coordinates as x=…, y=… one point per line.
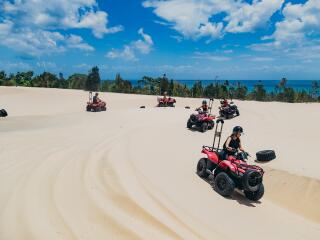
x=157, y=86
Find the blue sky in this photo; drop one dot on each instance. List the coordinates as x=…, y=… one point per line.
x=186, y=39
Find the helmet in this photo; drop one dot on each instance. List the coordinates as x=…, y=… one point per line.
x=237, y=129
x=204, y=102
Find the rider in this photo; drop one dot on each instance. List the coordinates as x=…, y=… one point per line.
x=233, y=143
x=224, y=103
x=97, y=100
x=204, y=107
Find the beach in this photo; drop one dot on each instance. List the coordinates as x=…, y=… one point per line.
x=130, y=173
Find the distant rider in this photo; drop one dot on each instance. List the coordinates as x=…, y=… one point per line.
x=233, y=143
x=97, y=100
x=224, y=103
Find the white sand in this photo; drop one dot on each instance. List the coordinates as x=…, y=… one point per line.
x=129, y=173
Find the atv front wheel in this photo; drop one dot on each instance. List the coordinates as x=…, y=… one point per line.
x=251, y=180
x=255, y=196
x=204, y=127
x=202, y=168
x=237, y=112
x=223, y=184
x=211, y=125
x=266, y=155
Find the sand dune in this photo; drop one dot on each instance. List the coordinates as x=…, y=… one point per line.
x=129, y=173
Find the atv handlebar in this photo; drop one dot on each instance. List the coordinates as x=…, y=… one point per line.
x=220, y=120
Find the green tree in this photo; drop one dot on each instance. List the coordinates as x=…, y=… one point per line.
x=77, y=81
x=62, y=82
x=289, y=95
x=197, y=89
x=46, y=79
x=24, y=79
x=259, y=93
x=3, y=78
x=121, y=85
x=171, y=87
x=163, y=84
x=93, y=80
x=315, y=89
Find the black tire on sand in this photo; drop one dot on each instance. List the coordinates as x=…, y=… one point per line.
x=265, y=155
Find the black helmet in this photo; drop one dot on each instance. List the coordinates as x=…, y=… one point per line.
x=237, y=129
x=204, y=102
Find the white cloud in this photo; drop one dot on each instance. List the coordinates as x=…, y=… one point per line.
x=196, y=19
x=301, y=21
x=142, y=46
x=249, y=17
x=74, y=41
x=296, y=35
x=38, y=42
x=60, y=14
x=210, y=56
x=33, y=26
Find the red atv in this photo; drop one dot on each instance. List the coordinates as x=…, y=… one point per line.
x=231, y=173
x=166, y=102
x=203, y=120
x=228, y=110
x=95, y=107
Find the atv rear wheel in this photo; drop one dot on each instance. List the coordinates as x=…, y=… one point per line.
x=255, y=196
x=223, y=184
x=189, y=124
x=202, y=168
x=266, y=155
x=204, y=127
x=251, y=180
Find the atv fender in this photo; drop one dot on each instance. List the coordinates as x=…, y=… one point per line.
x=225, y=164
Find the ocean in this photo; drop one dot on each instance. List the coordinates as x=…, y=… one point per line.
x=269, y=85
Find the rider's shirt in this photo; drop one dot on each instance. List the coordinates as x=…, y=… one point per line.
x=234, y=143
x=205, y=108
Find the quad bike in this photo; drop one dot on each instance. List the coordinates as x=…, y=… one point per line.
x=3, y=113
x=166, y=102
x=231, y=173
x=203, y=120
x=95, y=107
x=229, y=111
